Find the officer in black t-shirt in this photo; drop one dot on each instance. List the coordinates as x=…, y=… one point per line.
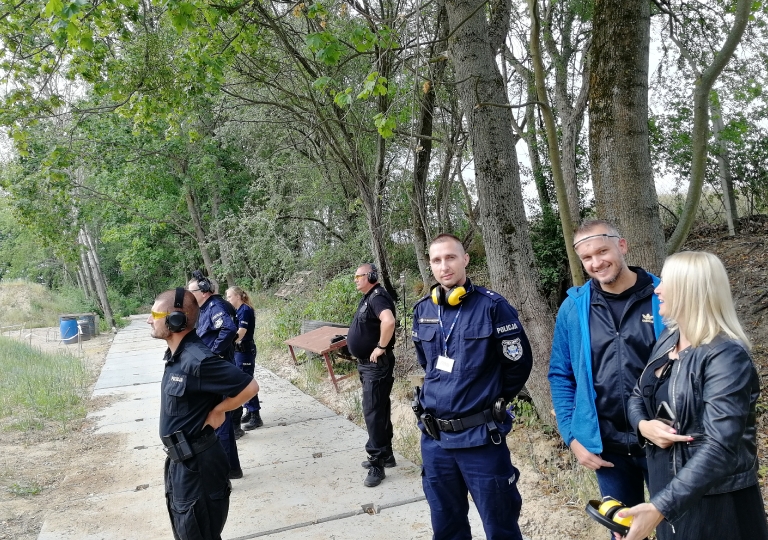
x=371, y=339
x=197, y=482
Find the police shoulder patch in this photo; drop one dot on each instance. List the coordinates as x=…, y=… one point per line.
x=512, y=349
x=218, y=320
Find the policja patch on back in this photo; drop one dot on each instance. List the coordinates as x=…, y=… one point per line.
x=512, y=349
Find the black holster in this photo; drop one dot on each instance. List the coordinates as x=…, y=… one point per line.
x=430, y=425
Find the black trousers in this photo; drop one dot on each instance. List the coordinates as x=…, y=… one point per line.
x=377, y=380
x=197, y=495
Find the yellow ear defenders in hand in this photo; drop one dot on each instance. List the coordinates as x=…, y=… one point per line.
x=452, y=298
x=605, y=513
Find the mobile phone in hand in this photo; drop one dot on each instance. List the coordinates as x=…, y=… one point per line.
x=664, y=414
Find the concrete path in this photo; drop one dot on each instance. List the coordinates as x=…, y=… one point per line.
x=302, y=468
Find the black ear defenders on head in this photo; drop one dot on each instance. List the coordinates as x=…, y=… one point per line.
x=176, y=321
x=373, y=275
x=605, y=513
x=452, y=298
x=203, y=282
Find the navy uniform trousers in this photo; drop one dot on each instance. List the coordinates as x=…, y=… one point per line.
x=377, y=380
x=246, y=360
x=489, y=476
x=197, y=495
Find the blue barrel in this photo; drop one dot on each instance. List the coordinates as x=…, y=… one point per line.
x=68, y=328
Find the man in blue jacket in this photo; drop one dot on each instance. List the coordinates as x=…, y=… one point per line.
x=476, y=358
x=217, y=328
x=604, y=334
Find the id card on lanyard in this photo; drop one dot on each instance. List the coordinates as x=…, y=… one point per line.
x=444, y=362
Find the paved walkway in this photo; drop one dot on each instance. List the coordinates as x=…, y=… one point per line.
x=302, y=468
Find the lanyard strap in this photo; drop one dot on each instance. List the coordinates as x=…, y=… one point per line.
x=446, y=337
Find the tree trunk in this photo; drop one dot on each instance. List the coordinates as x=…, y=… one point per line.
x=90, y=285
x=98, y=276
x=724, y=168
x=618, y=128
x=223, y=242
x=509, y=253
x=199, y=232
x=700, y=136
x=574, y=264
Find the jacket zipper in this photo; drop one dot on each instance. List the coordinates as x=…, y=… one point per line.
x=674, y=411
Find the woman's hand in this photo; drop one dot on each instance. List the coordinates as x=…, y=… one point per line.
x=645, y=518
x=660, y=433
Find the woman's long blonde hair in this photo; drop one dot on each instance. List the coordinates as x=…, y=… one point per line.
x=244, y=298
x=698, y=298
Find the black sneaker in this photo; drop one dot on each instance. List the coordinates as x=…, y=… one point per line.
x=246, y=417
x=389, y=462
x=236, y=475
x=375, y=476
x=239, y=432
x=254, y=421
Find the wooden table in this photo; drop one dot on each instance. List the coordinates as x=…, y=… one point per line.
x=318, y=341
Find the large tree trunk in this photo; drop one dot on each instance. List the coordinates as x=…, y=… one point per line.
x=618, y=128
x=509, y=253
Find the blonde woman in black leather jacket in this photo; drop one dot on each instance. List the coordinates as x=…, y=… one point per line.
x=694, y=408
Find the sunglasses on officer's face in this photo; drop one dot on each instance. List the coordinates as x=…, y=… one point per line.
x=160, y=314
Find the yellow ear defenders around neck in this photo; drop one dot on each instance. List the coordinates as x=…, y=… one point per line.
x=452, y=298
x=605, y=513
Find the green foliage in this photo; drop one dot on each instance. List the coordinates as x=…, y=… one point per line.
x=38, y=387
x=25, y=490
x=549, y=252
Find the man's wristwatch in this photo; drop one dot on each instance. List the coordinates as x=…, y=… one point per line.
x=380, y=347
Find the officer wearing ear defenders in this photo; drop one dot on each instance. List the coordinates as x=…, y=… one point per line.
x=217, y=328
x=476, y=356
x=371, y=339
x=198, y=388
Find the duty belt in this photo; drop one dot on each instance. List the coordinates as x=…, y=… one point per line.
x=460, y=424
x=434, y=426
x=178, y=449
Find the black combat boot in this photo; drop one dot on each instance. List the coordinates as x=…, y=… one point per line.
x=254, y=421
x=246, y=417
x=375, y=474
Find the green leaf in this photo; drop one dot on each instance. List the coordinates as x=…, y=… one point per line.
x=363, y=39
x=344, y=99
x=316, y=10
x=322, y=83
x=53, y=7
x=385, y=125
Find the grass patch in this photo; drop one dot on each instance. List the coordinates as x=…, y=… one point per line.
x=25, y=490
x=37, y=387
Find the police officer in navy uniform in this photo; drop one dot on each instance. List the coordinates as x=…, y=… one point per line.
x=476, y=356
x=198, y=388
x=371, y=340
x=245, y=351
x=217, y=327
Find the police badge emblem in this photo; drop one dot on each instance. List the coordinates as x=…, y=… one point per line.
x=512, y=349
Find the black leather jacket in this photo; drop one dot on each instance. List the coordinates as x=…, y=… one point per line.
x=713, y=390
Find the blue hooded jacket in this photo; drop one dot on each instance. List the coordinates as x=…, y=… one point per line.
x=570, y=368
